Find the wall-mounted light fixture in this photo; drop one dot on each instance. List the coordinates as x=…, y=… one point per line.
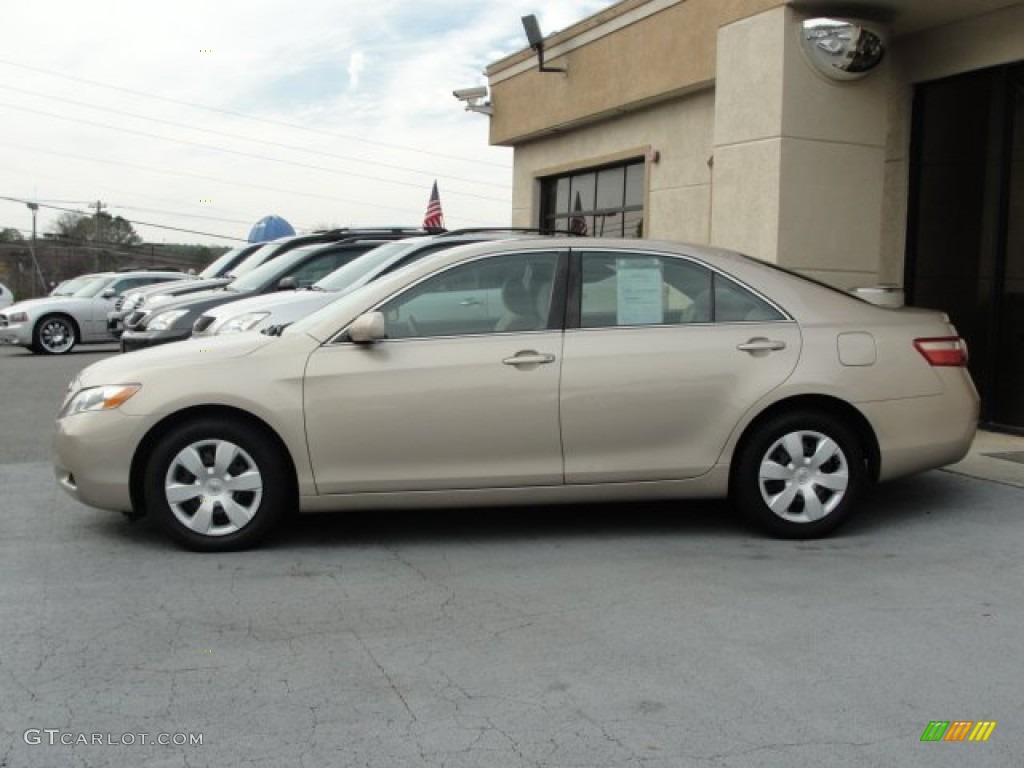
x=842, y=49
x=533, y=34
x=472, y=97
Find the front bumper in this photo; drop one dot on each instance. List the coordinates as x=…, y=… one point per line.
x=20, y=335
x=115, y=324
x=93, y=455
x=132, y=340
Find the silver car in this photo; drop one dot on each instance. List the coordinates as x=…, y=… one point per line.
x=529, y=372
x=75, y=313
x=6, y=297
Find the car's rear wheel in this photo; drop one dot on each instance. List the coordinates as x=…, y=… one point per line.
x=54, y=335
x=799, y=474
x=217, y=485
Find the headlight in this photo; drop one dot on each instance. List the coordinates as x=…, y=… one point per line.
x=99, y=398
x=17, y=317
x=165, y=320
x=159, y=298
x=241, y=323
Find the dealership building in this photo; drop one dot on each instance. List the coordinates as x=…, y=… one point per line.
x=878, y=143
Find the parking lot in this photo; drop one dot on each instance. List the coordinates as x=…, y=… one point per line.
x=623, y=635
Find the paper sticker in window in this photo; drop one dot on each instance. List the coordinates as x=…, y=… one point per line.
x=639, y=291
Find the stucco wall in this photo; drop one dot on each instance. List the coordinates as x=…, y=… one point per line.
x=678, y=195
x=659, y=49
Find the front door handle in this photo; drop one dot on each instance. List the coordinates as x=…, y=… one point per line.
x=760, y=344
x=469, y=303
x=529, y=357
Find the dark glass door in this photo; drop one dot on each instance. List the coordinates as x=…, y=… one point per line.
x=965, y=236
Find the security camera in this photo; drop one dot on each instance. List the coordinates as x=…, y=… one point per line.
x=470, y=94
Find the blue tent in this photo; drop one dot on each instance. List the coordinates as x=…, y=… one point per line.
x=270, y=228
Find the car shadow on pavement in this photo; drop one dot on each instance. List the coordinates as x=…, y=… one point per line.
x=503, y=524
x=899, y=505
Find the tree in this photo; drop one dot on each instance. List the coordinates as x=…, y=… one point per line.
x=9, y=235
x=105, y=229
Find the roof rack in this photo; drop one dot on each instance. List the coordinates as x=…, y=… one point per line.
x=510, y=230
x=147, y=269
x=384, y=230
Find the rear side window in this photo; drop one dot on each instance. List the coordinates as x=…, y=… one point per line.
x=629, y=289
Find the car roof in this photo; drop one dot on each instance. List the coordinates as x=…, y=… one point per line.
x=802, y=299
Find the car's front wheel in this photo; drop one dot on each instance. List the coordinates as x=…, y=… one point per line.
x=217, y=485
x=799, y=474
x=54, y=335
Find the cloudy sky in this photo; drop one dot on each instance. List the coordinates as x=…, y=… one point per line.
x=206, y=116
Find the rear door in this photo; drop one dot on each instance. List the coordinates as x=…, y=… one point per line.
x=662, y=358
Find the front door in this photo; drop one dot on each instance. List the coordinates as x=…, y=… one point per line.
x=462, y=396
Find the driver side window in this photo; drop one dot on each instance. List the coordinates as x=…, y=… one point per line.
x=497, y=294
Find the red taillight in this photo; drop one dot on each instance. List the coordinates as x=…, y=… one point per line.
x=945, y=350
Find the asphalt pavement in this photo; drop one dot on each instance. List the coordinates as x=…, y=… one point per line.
x=649, y=635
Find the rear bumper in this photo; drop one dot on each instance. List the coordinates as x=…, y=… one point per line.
x=921, y=433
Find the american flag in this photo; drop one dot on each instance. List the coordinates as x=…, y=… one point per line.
x=578, y=222
x=433, y=218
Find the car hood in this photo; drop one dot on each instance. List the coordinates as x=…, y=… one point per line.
x=308, y=301
x=134, y=366
x=47, y=303
x=198, y=302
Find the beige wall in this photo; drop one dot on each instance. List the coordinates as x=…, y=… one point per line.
x=678, y=184
x=653, y=57
x=799, y=159
x=806, y=171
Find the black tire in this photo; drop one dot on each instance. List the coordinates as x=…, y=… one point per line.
x=804, y=496
x=54, y=335
x=204, y=513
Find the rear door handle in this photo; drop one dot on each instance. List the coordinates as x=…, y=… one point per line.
x=469, y=303
x=529, y=358
x=761, y=345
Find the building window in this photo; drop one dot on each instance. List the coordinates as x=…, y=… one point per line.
x=598, y=202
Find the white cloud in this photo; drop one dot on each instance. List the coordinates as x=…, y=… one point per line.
x=356, y=65
x=355, y=117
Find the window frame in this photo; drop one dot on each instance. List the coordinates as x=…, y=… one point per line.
x=556, y=312
x=550, y=214
x=574, y=296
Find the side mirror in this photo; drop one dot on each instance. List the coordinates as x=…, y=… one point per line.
x=367, y=328
x=109, y=293
x=287, y=284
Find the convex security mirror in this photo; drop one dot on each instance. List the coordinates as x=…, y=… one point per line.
x=842, y=49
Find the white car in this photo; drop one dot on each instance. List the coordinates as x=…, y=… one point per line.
x=6, y=297
x=76, y=314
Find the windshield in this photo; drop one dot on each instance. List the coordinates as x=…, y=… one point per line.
x=257, y=277
x=68, y=287
x=368, y=263
x=219, y=263
x=255, y=259
x=91, y=287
